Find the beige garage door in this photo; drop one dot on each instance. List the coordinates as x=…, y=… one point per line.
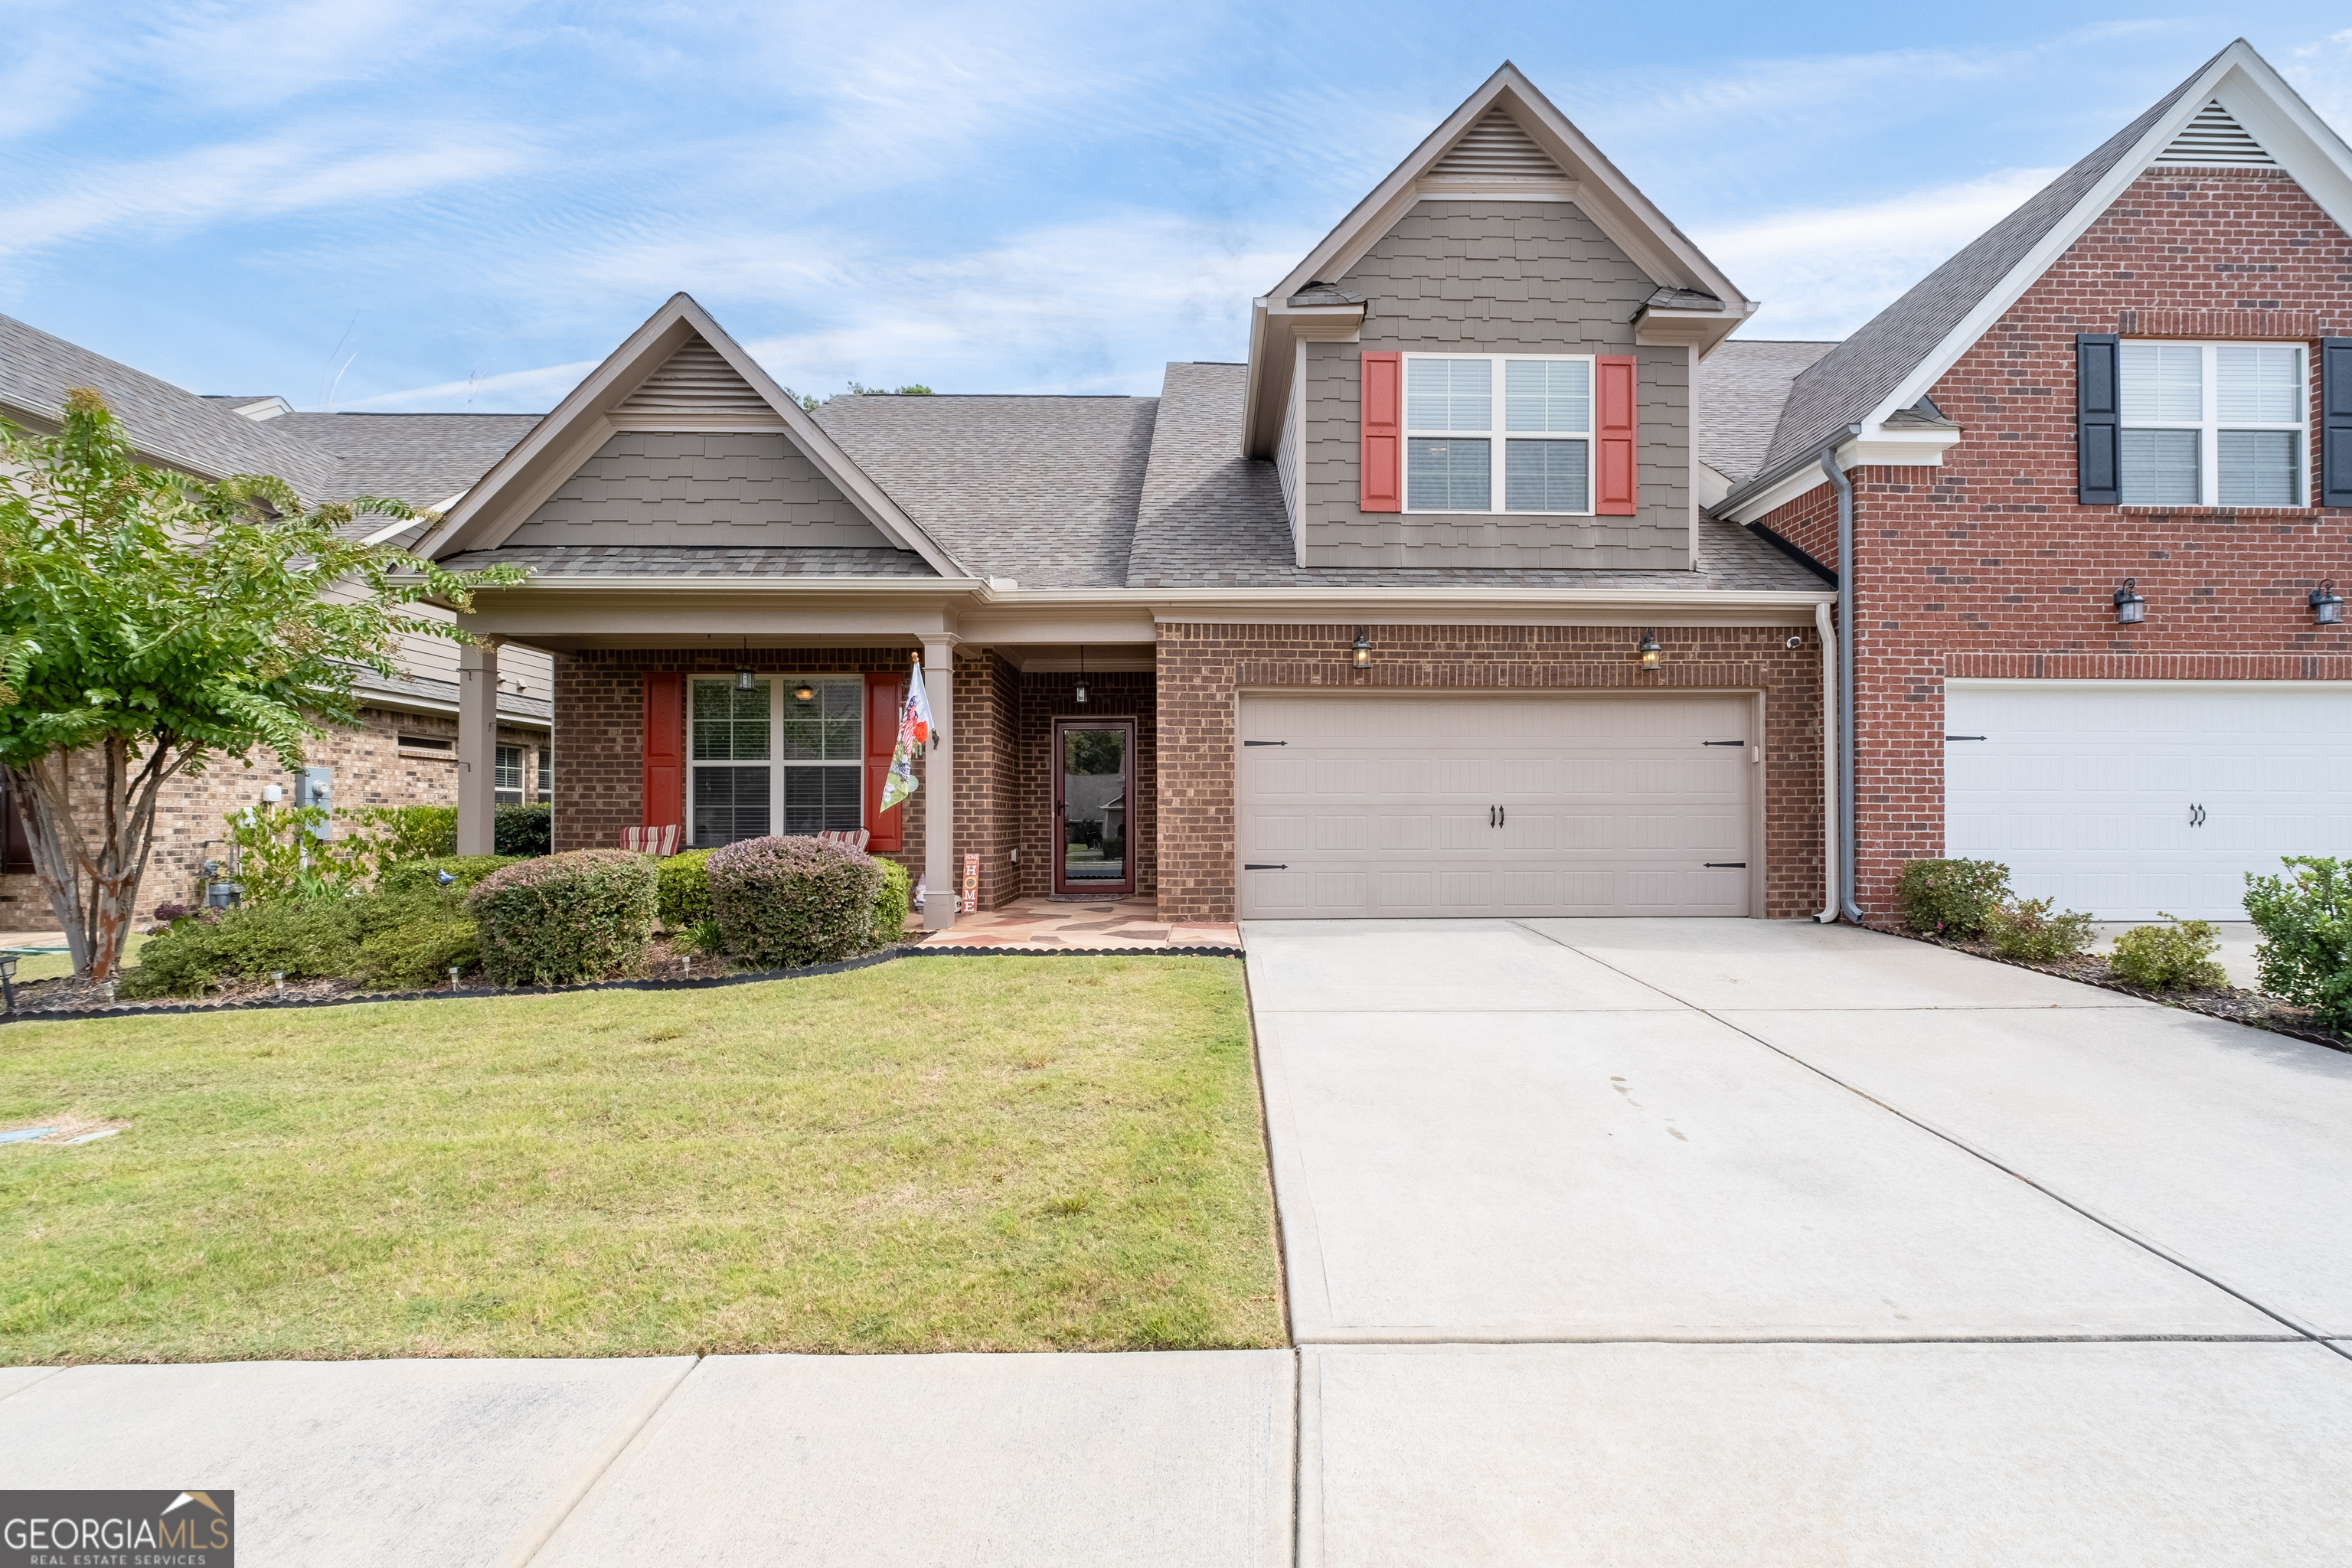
x=1388, y=805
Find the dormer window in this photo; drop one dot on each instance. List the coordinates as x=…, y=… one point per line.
x=1486, y=429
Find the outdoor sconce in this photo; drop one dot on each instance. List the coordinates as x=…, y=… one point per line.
x=2327, y=609
x=804, y=692
x=1079, y=696
x=2130, y=608
x=1650, y=651
x=744, y=680
x=1360, y=650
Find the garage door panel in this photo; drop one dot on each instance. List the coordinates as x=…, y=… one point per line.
x=1384, y=806
x=2086, y=792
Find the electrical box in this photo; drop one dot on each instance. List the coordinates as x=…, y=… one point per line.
x=317, y=787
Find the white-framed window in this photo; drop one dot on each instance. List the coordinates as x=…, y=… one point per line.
x=506, y=778
x=545, y=789
x=1499, y=433
x=2213, y=424
x=786, y=756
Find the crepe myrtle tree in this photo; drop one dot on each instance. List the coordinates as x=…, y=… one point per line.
x=151, y=625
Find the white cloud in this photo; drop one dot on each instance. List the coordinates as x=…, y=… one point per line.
x=1822, y=272
x=2322, y=72
x=514, y=389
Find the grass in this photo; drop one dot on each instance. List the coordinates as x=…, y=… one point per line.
x=57, y=965
x=968, y=1154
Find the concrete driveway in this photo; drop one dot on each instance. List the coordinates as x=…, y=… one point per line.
x=1737, y=1242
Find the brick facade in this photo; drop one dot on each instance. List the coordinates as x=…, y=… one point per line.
x=371, y=768
x=1987, y=567
x=1204, y=668
x=1117, y=695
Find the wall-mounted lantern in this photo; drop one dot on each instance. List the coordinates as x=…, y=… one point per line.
x=745, y=680
x=1650, y=651
x=1360, y=650
x=2130, y=608
x=805, y=692
x=1079, y=696
x=2327, y=609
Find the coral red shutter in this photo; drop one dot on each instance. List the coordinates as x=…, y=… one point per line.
x=884, y=693
x=1612, y=474
x=1381, y=465
x=664, y=777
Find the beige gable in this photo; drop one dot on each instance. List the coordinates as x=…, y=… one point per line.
x=1496, y=149
x=696, y=380
x=699, y=488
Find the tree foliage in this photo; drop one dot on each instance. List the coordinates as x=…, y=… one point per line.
x=153, y=622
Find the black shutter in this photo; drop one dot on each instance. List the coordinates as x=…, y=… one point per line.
x=2098, y=407
x=2334, y=463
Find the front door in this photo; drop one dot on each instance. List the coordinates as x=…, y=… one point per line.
x=1093, y=773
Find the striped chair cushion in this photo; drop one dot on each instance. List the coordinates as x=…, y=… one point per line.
x=854, y=837
x=657, y=841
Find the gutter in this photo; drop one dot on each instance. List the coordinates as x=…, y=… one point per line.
x=1825, y=627
x=1844, y=813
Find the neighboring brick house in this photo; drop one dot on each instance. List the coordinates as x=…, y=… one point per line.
x=1413, y=614
x=2100, y=465
x=405, y=751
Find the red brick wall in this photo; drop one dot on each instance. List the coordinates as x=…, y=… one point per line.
x=600, y=707
x=1986, y=566
x=1202, y=666
x=987, y=771
x=1119, y=695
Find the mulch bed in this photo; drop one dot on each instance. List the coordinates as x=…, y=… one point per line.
x=2227, y=1002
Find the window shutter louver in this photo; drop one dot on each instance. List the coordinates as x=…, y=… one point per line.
x=1381, y=415
x=2098, y=432
x=2336, y=422
x=664, y=794
x=1613, y=428
x=884, y=693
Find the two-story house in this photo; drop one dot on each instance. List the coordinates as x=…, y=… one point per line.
x=1415, y=613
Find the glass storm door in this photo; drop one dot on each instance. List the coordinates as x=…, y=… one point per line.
x=1093, y=764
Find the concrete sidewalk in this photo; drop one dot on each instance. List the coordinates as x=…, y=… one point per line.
x=1180, y=1459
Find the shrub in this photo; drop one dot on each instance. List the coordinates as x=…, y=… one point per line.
x=890, y=902
x=2305, y=920
x=419, y=951
x=2175, y=957
x=702, y=936
x=580, y=915
x=419, y=876
x=782, y=903
x=1951, y=898
x=685, y=890
x=410, y=832
x=2028, y=930
x=519, y=830
x=362, y=936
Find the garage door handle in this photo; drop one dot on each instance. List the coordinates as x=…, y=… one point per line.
x=1723, y=742
x=1247, y=867
x=1727, y=865
x=1265, y=742
x=1964, y=737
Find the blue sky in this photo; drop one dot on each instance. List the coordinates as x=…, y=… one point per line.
x=379, y=205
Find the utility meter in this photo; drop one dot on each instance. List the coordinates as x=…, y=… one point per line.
x=317, y=787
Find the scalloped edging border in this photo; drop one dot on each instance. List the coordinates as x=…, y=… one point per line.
x=757, y=977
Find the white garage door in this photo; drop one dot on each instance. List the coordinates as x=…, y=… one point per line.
x=1390, y=805
x=2124, y=798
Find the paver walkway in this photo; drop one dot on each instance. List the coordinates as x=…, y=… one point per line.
x=1705, y=1243
x=1105, y=925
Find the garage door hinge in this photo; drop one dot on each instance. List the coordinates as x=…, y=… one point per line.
x=1964, y=737
x=1247, y=867
x=1265, y=742
x=1727, y=865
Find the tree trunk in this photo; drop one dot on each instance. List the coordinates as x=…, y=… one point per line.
x=94, y=888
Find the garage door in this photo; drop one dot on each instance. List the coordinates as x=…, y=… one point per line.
x=1385, y=804
x=2124, y=798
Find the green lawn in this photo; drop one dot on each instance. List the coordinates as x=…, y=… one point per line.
x=965, y=1153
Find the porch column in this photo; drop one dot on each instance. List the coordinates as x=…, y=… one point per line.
x=477, y=747
x=940, y=867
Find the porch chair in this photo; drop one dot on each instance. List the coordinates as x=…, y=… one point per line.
x=659, y=842
x=854, y=837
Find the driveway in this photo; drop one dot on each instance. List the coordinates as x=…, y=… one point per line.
x=1702, y=1241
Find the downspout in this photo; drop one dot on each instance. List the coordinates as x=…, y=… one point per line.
x=1844, y=683
x=1825, y=627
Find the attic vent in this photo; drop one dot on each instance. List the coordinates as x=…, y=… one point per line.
x=1496, y=149
x=2213, y=139
x=695, y=380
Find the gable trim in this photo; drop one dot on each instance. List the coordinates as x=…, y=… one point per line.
x=586, y=419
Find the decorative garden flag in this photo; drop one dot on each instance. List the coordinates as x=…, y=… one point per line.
x=914, y=733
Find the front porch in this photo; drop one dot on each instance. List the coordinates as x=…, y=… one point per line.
x=1060, y=925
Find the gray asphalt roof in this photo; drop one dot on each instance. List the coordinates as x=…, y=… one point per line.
x=175, y=427
x=1848, y=383
x=1212, y=517
x=1039, y=490
x=421, y=458
x=512, y=704
x=1740, y=389
x=690, y=561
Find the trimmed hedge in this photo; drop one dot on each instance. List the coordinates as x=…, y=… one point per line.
x=783, y=902
x=419, y=876
x=1951, y=898
x=398, y=938
x=582, y=915
x=2175, y=957
x=891, y=902
x=522, y=830
x=2028, y=930
x=685, y=890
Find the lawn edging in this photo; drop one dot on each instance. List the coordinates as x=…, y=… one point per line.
x=2185, y=1001
x=479, y=994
